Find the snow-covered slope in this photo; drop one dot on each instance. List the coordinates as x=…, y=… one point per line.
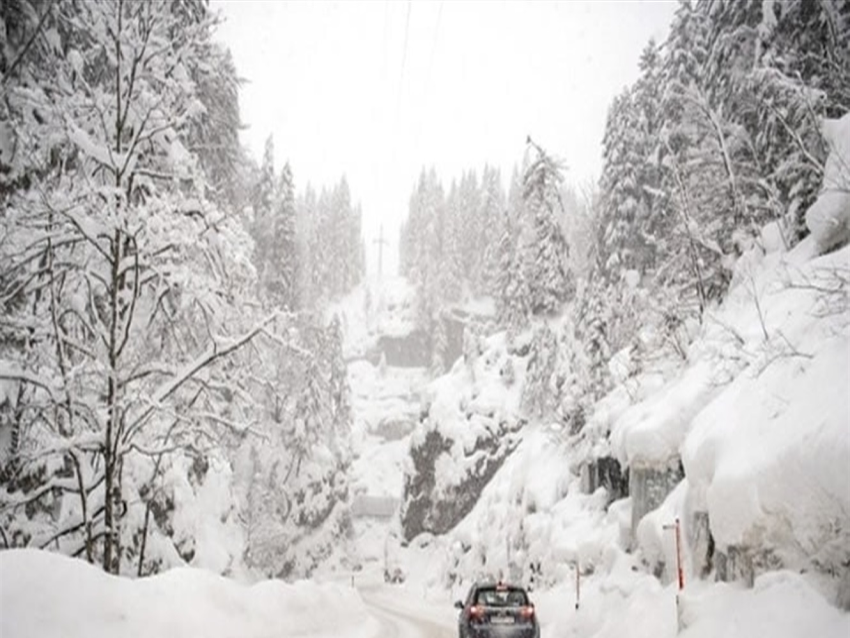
x=744, y=436
x=758, y=413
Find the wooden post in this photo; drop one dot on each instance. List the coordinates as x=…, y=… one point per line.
x=578, y=585
x=681, y=572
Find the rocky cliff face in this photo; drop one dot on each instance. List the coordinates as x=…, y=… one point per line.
x=435, y=501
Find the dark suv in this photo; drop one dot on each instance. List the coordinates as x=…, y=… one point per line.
x=497, y=609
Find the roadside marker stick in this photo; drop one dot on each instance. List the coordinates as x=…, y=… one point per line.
x=578, y=585
x=680, y=574
x=679, y=555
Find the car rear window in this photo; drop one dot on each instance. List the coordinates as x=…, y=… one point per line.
x=498, y=597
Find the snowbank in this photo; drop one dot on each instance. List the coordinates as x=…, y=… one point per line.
x=780, y=605
x=760, y=415
x=47, y=595
x=770, y=459
x=652, y=431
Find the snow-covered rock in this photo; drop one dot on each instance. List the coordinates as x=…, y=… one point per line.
x=828, y=219
x=772, y=238
x=470, y=427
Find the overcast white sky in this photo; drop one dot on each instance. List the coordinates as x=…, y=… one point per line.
x=376, y=90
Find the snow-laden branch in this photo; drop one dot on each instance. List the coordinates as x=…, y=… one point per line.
x=10, y=373
x=213, y=353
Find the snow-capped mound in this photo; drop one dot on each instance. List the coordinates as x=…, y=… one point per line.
x=48, y=595
x=769, y=459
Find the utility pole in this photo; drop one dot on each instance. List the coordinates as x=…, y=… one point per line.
x=381, y=243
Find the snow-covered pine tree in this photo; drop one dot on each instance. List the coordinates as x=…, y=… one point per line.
x=215, y=137
x=538, y=398
x=432, y=273
x=620, y=185
x=803, y=74
x=439, y=346
x=469, y=231
x=492, y=207
x=546, y=255
x=336, y=233
x=513, y=301
x=263, y=204
x=449, y=248
x=282, y=255
x=340, y=392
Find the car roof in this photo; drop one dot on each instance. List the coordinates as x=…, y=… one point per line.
x=483, y=584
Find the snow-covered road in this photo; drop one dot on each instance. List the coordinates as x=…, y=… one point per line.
x=398, y=623
x=403, y=613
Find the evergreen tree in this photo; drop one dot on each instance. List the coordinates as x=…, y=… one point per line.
x=618, y=184
x=551, y=282
x=281, y=271
x=340, y=391
x=263, y=203
x=513, y=302
x=439, y=346
x=538, y=399
x=492, y=207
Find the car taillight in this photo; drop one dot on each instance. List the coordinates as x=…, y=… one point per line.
x=476, y=612
x=527, y=612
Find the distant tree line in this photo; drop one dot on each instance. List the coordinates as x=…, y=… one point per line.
x=308, y=248
x=475, y=241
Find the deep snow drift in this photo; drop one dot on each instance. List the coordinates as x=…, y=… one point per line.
x=45, y=595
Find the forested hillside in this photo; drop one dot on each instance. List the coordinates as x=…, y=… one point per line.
x=716, y=148
x=671, y=345
x=169, y=390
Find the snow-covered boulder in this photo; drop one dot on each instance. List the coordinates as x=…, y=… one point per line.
x=772, y=238
x=828, y=219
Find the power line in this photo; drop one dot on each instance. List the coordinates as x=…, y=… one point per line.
x=403, y=57
x=434, y=39
x=433, y=47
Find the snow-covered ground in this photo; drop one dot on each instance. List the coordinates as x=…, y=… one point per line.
x=46, y=595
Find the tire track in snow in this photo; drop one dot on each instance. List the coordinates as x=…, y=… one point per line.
x=397, y=624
